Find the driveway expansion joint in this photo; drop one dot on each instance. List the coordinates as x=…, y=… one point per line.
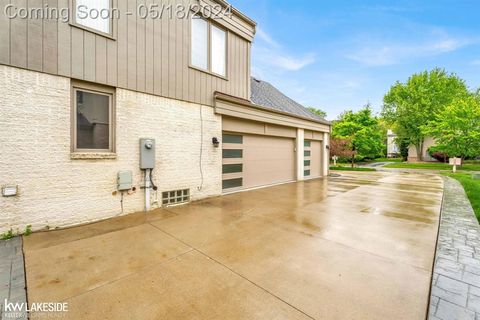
x=455, y=290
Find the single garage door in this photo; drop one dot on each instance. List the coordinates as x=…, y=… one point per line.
x=256, y=160
x=313, y=159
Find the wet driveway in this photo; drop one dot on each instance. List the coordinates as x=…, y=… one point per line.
x=359, y=246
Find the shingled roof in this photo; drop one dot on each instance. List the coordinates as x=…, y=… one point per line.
x=266, y=95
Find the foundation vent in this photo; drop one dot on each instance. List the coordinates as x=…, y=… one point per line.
x=175, y=197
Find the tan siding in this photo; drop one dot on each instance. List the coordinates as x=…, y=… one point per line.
x=35, y=39
x=144, y=55
x=77, y=53
x=50, y=41
x=132, y=45
x=4, y=36
x=89, y=56
x=122, y=45
x=101, y=59
x=141, y=51
x=64, y=42
x=18, y=38
x=149, y=52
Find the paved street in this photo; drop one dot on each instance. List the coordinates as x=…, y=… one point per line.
x=358, y=246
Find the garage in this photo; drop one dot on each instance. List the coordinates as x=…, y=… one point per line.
x=269, y=140
x=251, y=161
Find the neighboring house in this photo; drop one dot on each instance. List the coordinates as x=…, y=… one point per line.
x=412, y=151
x=77, y=97
x=393, y=150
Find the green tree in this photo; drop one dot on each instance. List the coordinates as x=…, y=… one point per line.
x=457, y=128
x=411, y=105
x=362, y=130
x=318, y=112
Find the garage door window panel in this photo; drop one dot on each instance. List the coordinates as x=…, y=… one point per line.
x=232, y=153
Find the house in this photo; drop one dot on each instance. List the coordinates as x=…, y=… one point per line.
x=103, y=115
x=393, y=150
x=427, y=143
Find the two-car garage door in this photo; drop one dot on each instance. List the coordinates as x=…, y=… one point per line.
x=256, y=160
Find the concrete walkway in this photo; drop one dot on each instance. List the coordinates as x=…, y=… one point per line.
x=358, y=246
x=12, y=276
x=456, y=280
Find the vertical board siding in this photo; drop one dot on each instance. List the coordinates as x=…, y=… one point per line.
x=50, y=41
x=132, y=45
x=146, y=55
x=101, y=59
x=89, y=56
x=35, y=39
x=149, y=52
x=64, y=44
x=5, y=35
x=141, y=50
x=77, y=53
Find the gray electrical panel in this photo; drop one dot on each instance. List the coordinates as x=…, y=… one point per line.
x=147, y=153
x=124, y=180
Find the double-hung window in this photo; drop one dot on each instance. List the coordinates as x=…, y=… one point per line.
x=208, y=47
x=93, y=120
x=94, y=15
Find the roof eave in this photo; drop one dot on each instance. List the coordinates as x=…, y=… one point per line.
x=246, y=103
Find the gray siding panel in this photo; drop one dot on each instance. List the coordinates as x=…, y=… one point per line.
x=35, y=39
x=132, y=45
x=77, y=53
x=89, y=56
x=50, y=41
x=101, y=59
x=4, y=36
x=122, y=43
x=145, y=55
x=64, y=44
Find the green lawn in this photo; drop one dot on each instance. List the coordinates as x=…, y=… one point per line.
x=472, y=188
x=469, y=166
x=350, y=169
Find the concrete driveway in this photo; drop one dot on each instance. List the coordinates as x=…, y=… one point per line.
x=359, y=246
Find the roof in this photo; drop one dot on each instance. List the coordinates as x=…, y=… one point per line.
x=266, y=95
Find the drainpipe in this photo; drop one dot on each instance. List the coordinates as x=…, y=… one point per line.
x=147, y=189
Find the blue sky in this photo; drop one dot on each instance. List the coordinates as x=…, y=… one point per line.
x=339, y=55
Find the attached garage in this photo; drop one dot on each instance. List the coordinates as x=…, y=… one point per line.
x=251, y=161
x=273, y=143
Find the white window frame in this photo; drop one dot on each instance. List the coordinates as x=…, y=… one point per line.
x=111, y=118
x=73, y=21
x=209, y=48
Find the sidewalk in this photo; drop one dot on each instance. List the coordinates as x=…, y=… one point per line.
x=456, y=277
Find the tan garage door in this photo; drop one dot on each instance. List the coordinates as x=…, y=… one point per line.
x=313, y=159
x=252, y=161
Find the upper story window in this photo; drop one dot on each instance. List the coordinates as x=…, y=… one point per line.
x=208, y=47
x=94, y=14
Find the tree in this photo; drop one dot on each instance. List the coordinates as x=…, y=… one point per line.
x=411, y=105
x=363, y=132
x=457, y=128
x=318, y=112
x=341, y=148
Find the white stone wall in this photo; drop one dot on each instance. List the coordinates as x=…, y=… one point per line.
x=55, y=190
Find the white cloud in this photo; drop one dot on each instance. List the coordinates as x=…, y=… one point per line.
x=267, y=52
x=376, y=53
x=475, y=62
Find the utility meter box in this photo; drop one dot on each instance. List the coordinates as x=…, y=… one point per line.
x=147, y=153
x=124, y=180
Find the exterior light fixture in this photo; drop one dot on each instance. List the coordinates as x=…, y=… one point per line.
x=9, y=191
x=215, y=142
x=327, y=147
